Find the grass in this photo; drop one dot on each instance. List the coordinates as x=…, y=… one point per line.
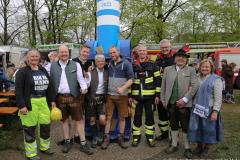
x=229, y=148
x=11, y=136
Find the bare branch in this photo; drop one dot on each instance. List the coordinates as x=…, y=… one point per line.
x=173, y=8
x=16, y=30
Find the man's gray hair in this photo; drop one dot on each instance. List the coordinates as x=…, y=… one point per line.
x=141, y=46
x=164, y=41
x=99, y=56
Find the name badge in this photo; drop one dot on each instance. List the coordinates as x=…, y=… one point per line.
x=201, y=111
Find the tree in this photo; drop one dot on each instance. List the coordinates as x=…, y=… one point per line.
x=11, y=27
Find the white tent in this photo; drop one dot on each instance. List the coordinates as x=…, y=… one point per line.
x=2, y=51
x=15, y=53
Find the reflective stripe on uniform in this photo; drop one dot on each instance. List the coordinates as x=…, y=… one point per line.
x=30, y=149
x=157, y=73
x=158, y=89
x=164, y=122
x=150, y=130
x=163, y=125
x=135, y=92
x=148, y=92
x=149, y=80
x=136, y=81
x=136, y=130
x=166, y=128
x=149, y=127
x=44, y=144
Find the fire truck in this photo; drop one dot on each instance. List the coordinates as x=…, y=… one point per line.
x=215, y=51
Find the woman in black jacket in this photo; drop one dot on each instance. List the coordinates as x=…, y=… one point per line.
x=33, y=96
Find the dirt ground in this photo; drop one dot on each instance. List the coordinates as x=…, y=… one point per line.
x=226, y=149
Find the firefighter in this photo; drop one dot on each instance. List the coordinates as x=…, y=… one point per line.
x=164, y=59
x=145, y=92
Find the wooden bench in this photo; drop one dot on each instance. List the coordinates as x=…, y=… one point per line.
x=2, y=100
x=8, y=110
x=7, y=94
x=8, y=113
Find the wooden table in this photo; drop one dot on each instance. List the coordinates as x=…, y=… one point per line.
x=8, y=110
x=3, y=100
x=7, y=94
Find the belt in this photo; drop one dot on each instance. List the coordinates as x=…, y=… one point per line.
x=37, y=96
x=64, y=94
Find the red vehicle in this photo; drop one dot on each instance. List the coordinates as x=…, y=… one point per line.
x=231, y=55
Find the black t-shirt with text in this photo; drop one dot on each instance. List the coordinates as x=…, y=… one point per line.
x=41, y=82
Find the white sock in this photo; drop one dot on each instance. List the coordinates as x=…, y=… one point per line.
x=186, y=142
x=174, y=138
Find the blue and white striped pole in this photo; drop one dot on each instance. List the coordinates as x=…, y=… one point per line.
x=108, y=24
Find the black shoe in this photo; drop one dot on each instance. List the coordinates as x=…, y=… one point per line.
x=162, y=136
x=94, y=142
x=47, y=152
x=121, y=142
x=188, y=153
x=67, y=146
x=62, y=142
x=106, y=142
x=34, y=158
x=86, y=149
x=151, y=143
x=135, y=142
x=171, y=149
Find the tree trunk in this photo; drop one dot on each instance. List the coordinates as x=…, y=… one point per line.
x=34, y=41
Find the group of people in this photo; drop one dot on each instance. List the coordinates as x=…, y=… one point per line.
x=87, y=90
x=227, y=73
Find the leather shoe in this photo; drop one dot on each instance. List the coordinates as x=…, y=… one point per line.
x=188, y=153
x=171, y=149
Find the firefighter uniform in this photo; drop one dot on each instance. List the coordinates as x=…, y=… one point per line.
x=145, y=87
x=162, y=62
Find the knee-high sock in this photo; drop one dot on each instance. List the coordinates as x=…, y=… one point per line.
x=186, y=142
x=174, y=138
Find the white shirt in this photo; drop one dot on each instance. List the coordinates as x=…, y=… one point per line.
x=63, y=86
x=100, y=88
x=184, y=98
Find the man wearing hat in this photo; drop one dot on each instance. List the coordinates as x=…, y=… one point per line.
x=179, y=85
